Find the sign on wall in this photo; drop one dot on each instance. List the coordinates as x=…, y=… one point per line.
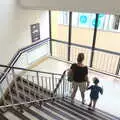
x=101, y=20
x=84, y=19
x=35, y=32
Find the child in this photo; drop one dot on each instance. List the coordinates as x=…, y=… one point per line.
x=95, y=90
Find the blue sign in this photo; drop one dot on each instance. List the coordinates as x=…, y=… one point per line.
x=83, y=19
x=93, y=23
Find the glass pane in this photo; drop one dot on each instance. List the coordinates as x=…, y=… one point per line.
x=59, y=50
x=59, y=27
x=60, y=24
x=82, y=34
x=107, y=39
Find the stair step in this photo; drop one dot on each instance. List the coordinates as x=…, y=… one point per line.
x=50, y=112
x=2, y=117
x=42, y=113
x=18, y=114
x=31, y=93
x=19, y=100
x=33, y=113
x=60, y=111
x=90, y=114
x=10, y=116
x=32, y=85
x=31, y=117
x=74, y=113
x=97, y=112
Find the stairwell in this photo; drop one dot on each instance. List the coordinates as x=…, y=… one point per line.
x=29, y=104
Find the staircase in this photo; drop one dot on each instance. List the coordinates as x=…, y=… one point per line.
x=28, y=104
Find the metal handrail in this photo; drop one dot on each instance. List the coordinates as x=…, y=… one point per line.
x=60, y=80
x=28, y=70
x=91, y=68
x=17, y=55
x=34, y=101
x=112, y=57
x=41, y=85
x=88, y=47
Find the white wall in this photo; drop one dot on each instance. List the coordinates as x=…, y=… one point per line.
x=101, y=6
x=28, y=17
x=31, y=56
x=15, y=28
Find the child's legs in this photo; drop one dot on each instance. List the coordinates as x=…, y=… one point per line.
x=90, y=102
x=75, y=86
x=94, y=103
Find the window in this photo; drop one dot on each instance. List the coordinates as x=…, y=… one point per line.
x=114, y=21
x=87, y=20
x=63, y=18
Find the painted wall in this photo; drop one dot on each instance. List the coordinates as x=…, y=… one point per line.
x=105, y=39
x=15, y=28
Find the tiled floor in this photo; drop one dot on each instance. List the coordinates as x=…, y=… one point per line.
x=109, y=101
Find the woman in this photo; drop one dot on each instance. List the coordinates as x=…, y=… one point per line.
x=80, y=77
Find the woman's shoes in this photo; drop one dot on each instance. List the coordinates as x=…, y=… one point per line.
x=83, y=102
x=72, y=101
x=89, y=105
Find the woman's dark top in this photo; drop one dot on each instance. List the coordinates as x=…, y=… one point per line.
x=79, y=73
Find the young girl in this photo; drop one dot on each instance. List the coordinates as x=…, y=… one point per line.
x=94, y=94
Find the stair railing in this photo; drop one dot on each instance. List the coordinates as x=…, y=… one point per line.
x=18, y=55
x=64, y=87
x=28, y=87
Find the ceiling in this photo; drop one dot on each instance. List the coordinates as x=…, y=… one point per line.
x=94, y=6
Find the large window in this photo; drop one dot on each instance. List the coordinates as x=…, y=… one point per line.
x=106, y=22
x=108, y=39
x=60, y=21
x=82, y=35
x=59, y=32
x=107, y=50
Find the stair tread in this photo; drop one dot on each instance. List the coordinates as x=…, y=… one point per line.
x=2, y=117
x=33, y=113
x=42, y=113
x=50, y=112
x=70, y=111
x=18, y=114
x=31, y=117
x=85, y=112
x=11, y=116
x=60, y=109
x=61, y=112
x=97, y=112
x=84, y=108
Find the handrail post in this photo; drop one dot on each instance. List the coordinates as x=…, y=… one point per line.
x=63, y=87
x=38, y=83
x=10, y=93
x=53, y=84
x=28, y=82
x=118, y=67
x=2, y=95
x=34, y=87
x=16, y=86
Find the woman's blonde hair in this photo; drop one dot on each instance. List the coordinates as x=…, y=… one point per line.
x=80, y=57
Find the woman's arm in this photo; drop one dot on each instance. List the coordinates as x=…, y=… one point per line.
x=87, y=80
x=86, y=77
